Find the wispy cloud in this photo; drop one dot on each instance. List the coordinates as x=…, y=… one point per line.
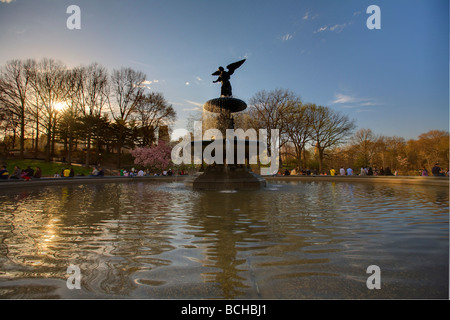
x=338, y=27
x=352, y=101
x=309, y=16
x=335, y=28
x=146, y=83
x=342, y=98
x=136, y=62
x=7, y=1
x=321, y=29
x=287, y=37
x=369, y=103
x=197, y=106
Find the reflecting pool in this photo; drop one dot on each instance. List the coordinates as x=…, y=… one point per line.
x=162, y=240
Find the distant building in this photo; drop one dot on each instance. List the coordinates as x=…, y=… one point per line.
x=163, y=134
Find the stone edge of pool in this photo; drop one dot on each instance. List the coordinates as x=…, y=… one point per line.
x=432, y=181
x=436, y=181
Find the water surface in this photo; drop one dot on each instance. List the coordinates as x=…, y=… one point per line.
x=160, y=240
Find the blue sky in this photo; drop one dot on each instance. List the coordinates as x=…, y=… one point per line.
x=393, y=80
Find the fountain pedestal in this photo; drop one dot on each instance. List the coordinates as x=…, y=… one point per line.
x=228, y=176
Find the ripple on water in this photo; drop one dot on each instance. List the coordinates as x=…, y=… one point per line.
x=290, y=240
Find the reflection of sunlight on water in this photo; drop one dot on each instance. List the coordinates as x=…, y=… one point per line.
x=273, y=187
x=290, y=240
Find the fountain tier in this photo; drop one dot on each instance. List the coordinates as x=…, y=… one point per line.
x=228, y=176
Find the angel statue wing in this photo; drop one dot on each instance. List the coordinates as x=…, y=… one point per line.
x=231, y=67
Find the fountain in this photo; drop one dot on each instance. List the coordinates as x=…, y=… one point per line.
x=227, y=175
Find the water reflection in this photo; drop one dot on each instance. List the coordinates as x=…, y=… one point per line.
x=161, y=240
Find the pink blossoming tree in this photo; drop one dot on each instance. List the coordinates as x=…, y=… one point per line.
x=157, y=157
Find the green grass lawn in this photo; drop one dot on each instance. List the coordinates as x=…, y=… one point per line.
x=48, y=168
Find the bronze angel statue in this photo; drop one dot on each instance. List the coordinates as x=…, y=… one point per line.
x=224, y=77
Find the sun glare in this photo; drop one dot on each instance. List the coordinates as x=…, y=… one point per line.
x=59, y=106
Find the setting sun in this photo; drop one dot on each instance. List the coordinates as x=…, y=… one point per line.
x=59, y=106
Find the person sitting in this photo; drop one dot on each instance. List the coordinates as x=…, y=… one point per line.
x=37, y=173
x=436, y=170
x=66, y=172
x=4, y=173
x=100, y=173
x=16, y=173
x=388, y=171
x=424, y=172
x=349, y=171
x=94, y=172
x=29, y=172
x=24, y=175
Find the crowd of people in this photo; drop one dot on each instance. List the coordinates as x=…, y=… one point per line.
x=97, y=172
x=30, y=173
x=67, y=172
x=369, y=171
x=141, y=173
x=436, y=171
x=365, y=171
x=26, y=174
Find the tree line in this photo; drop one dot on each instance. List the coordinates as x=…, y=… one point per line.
x=321, y=138
x=47, y=102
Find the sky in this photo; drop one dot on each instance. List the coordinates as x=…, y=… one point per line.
x=393, y=80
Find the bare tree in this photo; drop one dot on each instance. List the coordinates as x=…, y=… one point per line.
x=271, y=110
x=15, y=87
x=431, y=147
x=364, y=142
x=151, y=112
x=49, y=84
x=298, y=129
x=126, y=92
x=329, y=128
x=89, y=94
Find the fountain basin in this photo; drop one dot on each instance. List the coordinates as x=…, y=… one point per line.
x=228, y=104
